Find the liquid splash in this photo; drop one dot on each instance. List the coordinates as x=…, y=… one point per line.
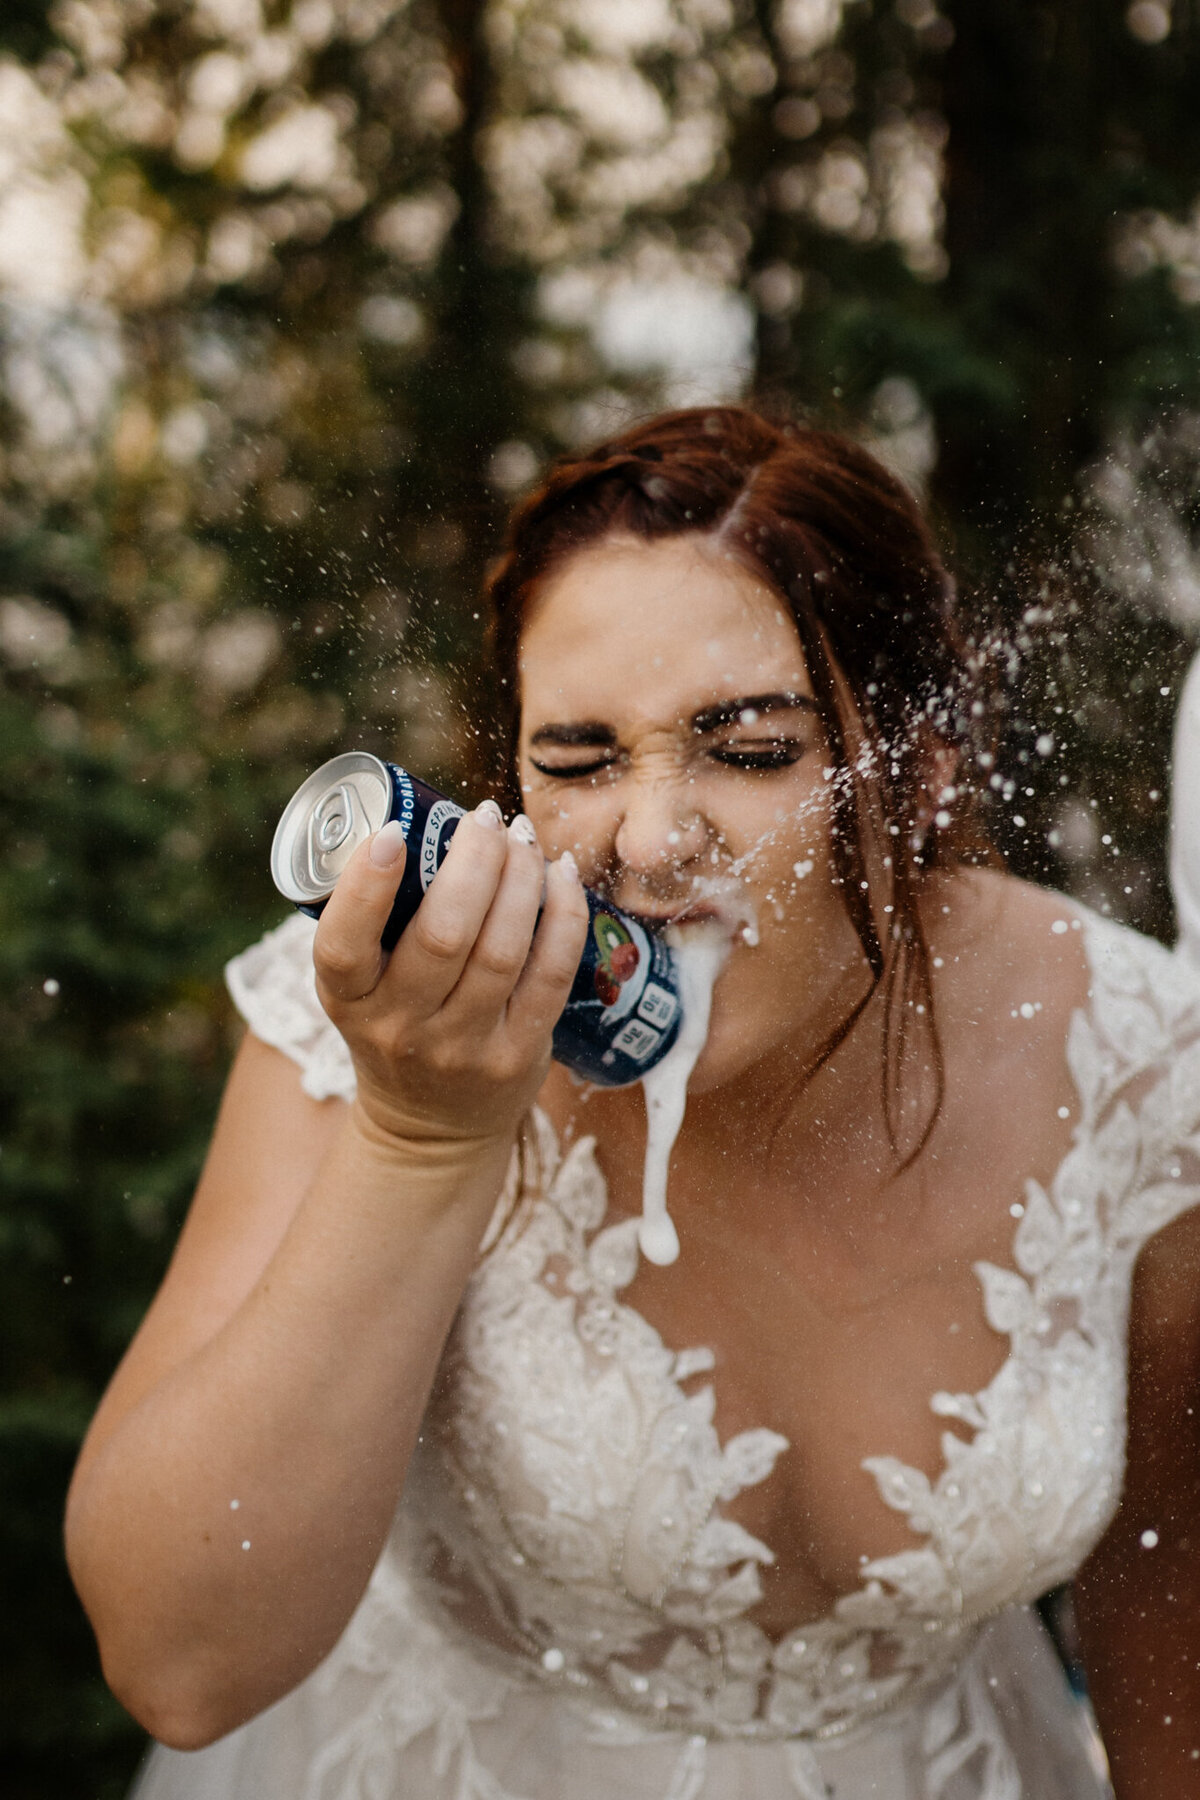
x=701, y=952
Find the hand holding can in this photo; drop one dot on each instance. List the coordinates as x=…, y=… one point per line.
x=450, y=1031
x=623, y=1011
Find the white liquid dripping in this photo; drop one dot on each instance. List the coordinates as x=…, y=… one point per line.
x=700, y=951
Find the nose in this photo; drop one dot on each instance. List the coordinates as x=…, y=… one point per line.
x=661, y=828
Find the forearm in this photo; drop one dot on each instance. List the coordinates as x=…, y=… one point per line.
x=223, y=1533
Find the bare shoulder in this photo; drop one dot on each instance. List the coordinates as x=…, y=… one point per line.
x=268, y=1141
x=1011, y=910
x=1003, y=946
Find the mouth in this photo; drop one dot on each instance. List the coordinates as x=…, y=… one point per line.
x=723, y=904
x=681, y=915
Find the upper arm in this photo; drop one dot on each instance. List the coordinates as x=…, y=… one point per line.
x=269, y=1138
x=1138, y=1595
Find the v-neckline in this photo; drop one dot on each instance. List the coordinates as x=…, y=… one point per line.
x=902, y=1487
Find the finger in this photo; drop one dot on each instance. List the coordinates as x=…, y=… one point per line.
x=545, y=983
x=435, y=945
x=346, y=950
x=492, y=970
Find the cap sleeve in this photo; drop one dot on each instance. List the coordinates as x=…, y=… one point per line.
x=1135, y=1057
x=274, y=988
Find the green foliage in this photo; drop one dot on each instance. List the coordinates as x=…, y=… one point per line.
x=25, y=29
x=343, y=276
x=124, y=844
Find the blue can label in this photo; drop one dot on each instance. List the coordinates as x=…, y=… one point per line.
x=403, y=799
x=624, y=1012
x=429, y=822
x=439, y=828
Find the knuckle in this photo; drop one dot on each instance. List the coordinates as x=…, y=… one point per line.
x=332, y=1005
x=335, y=962
x=496, y=960
x=562, y=969
x=443, y=941
x=445, y=1057
x=505, y=1065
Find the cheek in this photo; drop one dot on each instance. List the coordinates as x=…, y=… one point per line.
x=787, y=847
x=575, y=819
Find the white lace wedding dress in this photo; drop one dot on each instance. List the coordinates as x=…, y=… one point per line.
x=564, y=1610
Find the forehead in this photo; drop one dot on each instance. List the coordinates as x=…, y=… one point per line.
x=629, y=629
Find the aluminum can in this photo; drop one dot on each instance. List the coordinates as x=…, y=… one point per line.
x=624, y=1010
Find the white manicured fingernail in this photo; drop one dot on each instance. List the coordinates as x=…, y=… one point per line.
x=522, y=831
x=387, y=844
x=569, y=866
x=489, y=814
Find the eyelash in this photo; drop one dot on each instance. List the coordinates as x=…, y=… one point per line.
x=779, y=756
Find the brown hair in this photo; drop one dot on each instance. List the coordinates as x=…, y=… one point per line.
x=843, y=544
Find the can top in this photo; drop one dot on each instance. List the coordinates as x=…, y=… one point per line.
x=340, y=805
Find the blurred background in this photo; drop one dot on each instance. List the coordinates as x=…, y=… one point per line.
x=295, y=298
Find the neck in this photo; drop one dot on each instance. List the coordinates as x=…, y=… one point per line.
x=812, y=1122
x=798, y=1115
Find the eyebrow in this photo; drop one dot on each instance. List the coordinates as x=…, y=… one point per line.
x=729, y=712
x=593, y=732
x=590, y=732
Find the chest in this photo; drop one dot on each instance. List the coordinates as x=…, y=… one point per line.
x=774, y=1513
x=843, y=1380
x=956, y=1446
x=835, y=1326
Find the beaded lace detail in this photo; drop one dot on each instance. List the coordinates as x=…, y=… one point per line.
x=565, y=1514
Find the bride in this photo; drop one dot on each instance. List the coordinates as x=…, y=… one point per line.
x=417, y=1483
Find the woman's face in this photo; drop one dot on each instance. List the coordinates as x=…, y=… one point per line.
x=669, y=738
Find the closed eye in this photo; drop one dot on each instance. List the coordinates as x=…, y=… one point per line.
x=778, y=753
x=574, y=771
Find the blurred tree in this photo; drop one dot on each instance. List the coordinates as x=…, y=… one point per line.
x=295, y=295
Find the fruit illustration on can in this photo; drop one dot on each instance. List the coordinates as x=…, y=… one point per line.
x=618, y=957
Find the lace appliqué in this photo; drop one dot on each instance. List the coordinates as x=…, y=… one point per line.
x=1017, y=1508
x=564, y=1514
x=418, y=1684
x=579, y=1485
x=274, y=989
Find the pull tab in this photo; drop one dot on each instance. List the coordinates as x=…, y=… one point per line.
x=337, y=826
